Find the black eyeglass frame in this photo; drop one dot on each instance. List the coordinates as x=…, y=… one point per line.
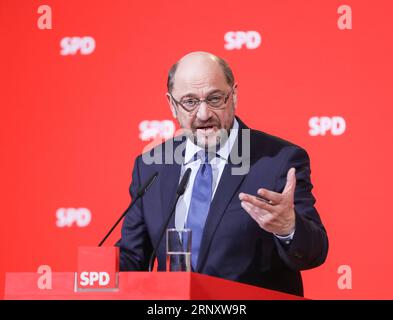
x=199, y=102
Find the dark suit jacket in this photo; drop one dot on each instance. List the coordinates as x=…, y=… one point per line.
x=233, y=246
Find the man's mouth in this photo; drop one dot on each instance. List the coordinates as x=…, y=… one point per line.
x=206, y=129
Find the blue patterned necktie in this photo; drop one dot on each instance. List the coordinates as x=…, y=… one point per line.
x=199, y=206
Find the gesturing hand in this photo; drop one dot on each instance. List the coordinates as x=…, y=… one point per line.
x=278, y=215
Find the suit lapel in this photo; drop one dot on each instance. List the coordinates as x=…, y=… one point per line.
x=170, y=175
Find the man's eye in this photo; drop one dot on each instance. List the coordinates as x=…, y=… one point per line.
x=215, y=99
x=189, y=102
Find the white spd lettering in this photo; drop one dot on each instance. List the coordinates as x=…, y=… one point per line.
x=73, y=45
x=238, y=39
x=92, y=278
x=322, y=125
x=67, y=217
x=152, y=129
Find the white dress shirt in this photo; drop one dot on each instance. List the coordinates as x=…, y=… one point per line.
x=217, y=164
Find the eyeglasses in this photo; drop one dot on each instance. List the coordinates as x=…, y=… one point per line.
x=215, y=101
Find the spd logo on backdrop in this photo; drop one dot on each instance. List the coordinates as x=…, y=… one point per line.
x=73, y=45
x=239, y=39
x=321, y=126
x=67, y=217
x=156, y=129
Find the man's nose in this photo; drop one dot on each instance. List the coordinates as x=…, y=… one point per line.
x=204, y=113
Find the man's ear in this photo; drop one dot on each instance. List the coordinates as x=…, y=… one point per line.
x=234, y=95
x=173, y=109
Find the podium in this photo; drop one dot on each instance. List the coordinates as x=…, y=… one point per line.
x=98, y=278
x=140, y=286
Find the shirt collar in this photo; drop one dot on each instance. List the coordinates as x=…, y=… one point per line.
x=223, y=152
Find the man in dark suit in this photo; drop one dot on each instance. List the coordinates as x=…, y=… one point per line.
x=248, y=201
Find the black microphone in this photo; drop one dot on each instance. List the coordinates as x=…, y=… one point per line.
x=141, y=191
x=179, y=192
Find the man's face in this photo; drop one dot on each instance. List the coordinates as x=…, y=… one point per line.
x=202, y=77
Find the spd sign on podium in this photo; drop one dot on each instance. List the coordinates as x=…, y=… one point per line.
x=98, y=269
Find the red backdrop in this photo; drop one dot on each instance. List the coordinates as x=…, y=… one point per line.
x=79, y=100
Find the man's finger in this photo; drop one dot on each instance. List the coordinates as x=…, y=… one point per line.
x=253, y=209
x=255, y=202
x=256, y=213
x=273, y=197
x=260, y=216
x=291, y=181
